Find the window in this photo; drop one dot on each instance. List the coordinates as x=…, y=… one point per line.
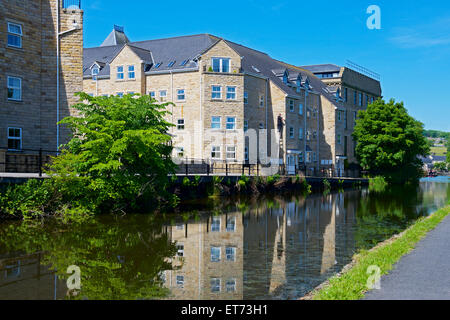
x=180, y=250
x=314, y=134
x=367, y=99
x=261, y=101
x=355, y=116
x=291, y=132
x=345, y=94
x=230, y=253
x=221, y=64
x=180, y=94
x=231, y=285
x=261, y=125
x=300, y=109
x=215, y=254
x=285, y=78
x=215, y=285
x=152, y=94
x=300, y=133
x=354, y=97
x=308, y=156
x=130, y=92
x=245, y=97
x=180, y=281
x=231, y=93
x=14, y=138
x=14, y=88
x=171, y=63
x=14, y=35
x=216, y=92
x=339, y=139
x=131, y=73
x=179, y=152
x=95, y=71
x=308, y=135
x=246, y=153
x=120, y=73
x=231, y=224
x=215, y=152
x=360, y=99
x=215, y=122
x=314, y=156
x=162, y=95
x=120, y=94
x=180, y=124
x=300, y=157
x=231, y=123
x=339, y=116
x=231, y=152
x=245, y=125
x=291, y=105
x=183, y=63
x=215, y=225
x=158, y=65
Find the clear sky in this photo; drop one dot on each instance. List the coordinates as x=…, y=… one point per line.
x=411, y=51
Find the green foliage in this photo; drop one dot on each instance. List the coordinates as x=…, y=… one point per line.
x=436, y=134
x=378, y=184
x=389, y=141
x=441, y=166
x=306, y=187
x=118, y=159
x=326, y=184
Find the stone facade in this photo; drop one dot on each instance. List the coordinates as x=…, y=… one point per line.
x=35, y=63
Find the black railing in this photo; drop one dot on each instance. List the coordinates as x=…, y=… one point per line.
x=71, y=4
x=25, y=160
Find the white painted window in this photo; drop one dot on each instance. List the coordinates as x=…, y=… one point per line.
x=215, y=285
x=14, y=35
x=120, y=74
x=180, y=250
x=131, y=73
x=95, y=71
x=231, y=123
x=152, y=94
x=14, y=138
x=215, y=152
x=231, y=285
x=230, y=253
x=216, y=92
x=215, y=254
x=180, y=124
x=181, y=95
x=245, y=97
x=162, y=95
x=180, y=281
x=215, y=122
x=220, y=64
x=14, y=88
x=231, y=152
x=215, y=225
x=231, y=224
x=231, y=93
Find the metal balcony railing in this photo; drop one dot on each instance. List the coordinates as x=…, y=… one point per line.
x=72, y=4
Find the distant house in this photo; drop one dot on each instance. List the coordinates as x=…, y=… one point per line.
x=430, y=161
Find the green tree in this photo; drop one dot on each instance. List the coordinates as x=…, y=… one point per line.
x=389, y=142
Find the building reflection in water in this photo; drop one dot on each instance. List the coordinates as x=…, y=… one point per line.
x=277, y=251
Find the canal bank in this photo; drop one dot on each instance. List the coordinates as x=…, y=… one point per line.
x=422, y=272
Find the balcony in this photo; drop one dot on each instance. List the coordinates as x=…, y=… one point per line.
x=71, y=4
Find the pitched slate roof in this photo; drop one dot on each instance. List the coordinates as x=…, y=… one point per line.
x=116, y=37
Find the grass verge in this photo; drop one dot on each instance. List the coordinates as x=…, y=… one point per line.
x=351, y=284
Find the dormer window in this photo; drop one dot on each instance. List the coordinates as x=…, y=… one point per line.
x=95, y=71
x=158, y=65
x=220, y=64
x=171, y=63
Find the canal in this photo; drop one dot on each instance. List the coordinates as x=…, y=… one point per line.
x=269, y=247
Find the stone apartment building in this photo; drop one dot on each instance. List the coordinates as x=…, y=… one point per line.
x=355, y=90
x=29, y=104
x=228, y=100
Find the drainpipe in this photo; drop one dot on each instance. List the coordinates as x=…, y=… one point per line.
x=267, y=122
x=201, y=114
x=318, y=133
x=305, y=113
x=57, y=74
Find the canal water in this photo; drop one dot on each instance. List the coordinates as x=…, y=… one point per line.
x=271, y=247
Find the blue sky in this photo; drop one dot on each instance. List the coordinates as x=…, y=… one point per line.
x=411, y=51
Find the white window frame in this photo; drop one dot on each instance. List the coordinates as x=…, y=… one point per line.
x=213, y=258
x=162, y=97
x=180, y=252
x=221, y=59
x=215, y=280
x=95, y=71
x=181, y=94
x=230, y=257
x=231, y=122
x=179, y=151
x=216, y=122
x=14, y=138
x=230, y=285
x=227, y=152
x=181, y=125
x=217, y=152
x=231, y=95
x=14, y=88
x=14, y=34
x=121, y=73
x=131, y=72
x=180, y=281
x=152, y=94
x=233, y=219
x=215, y=92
